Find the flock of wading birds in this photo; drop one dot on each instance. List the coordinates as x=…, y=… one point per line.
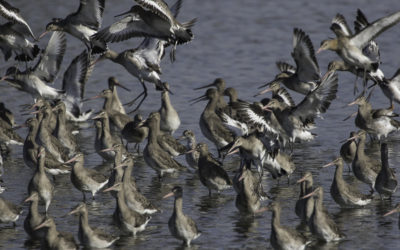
x=262, y=132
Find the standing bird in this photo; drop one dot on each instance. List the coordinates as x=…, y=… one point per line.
x=386, y=181
x=55, y=239
x=211, y=174
x=192, y=157
x=365, y=167
x=82, y=24
x=135, y=131
x=307, y=74
x=283, y=237
x=180, y=225
x=305, y=206
x=220, y=85
x=321, y=223
x=40, y=183
x=9, y=212
x=169, y=117
x=34, y=218
x=84, y=179
x=116, y=103
x=348, y=149
x=211, y=124
x=395, y=210
x=344, y=194
x=377, y=122
x=88, y=236
x=128, y=220
x=249, y=190
x=156, y=157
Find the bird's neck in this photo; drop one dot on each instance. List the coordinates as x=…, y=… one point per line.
x=178, y=206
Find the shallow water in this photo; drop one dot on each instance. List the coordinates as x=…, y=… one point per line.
x=239, y=43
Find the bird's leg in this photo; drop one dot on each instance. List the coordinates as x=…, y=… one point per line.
x=365, y=79
x=144, y=93
x=92, y=196
x=209, y=192
x=84, y=196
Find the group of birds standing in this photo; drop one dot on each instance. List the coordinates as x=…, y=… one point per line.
x=263, y=132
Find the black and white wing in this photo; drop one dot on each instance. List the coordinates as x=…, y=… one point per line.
x=344, y=27
x=319, y=100
x=254, y=114
x=89, y=13
x=286, y=67
x=158, y=7
x=304, y=56
x=74, y=81
x=50, y=61
x=372, y=48
x=284, y=95
x=12, y=14
x=130, y=26
x=362, y=38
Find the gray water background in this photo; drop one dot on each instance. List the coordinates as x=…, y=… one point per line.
x=239, y=41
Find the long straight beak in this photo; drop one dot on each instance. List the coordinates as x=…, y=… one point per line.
x=205, y=86
x=122, y=86
x=190, y=151
x=28, y=199
x=4, y=78
x=233, y=150
x=127, y=12
x=168, y=195
x=302, y=179
x=107, y=149
x=391, y=212
x=263, y=92
x=73, y=212
x=108, y=189
x=266, y=108
x=350, y=116
x=329, y=164
x=261, y=210
x=198, y=99
x=40, y=226
x=241, y=177
x=352, y=103
x=267, y=84
x=19, y=126
x=42, y=35
x=307, y=195
x=71, y=160
x=91, y=98
x=319, y=50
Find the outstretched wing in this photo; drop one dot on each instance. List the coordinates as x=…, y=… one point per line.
x=158, y=7
x=12, y=14
x=89, y=13
x=49, y=64
x=319, y=100
x=74, y=81
x=341, y=22
x=304, y=56
x=370, y=32
x=130, y=26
